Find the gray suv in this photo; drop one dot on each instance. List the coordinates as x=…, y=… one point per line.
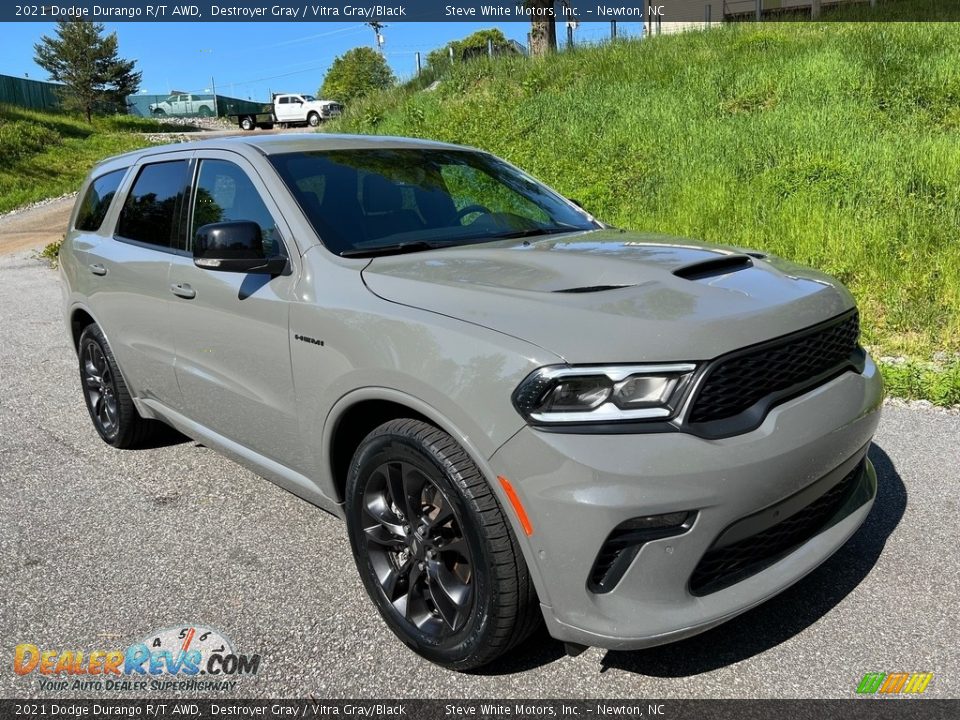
x=522, y=413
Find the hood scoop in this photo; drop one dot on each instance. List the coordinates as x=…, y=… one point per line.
x=713, y=267
x=591, y=288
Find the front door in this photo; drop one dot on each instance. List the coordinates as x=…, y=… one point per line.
x=231, y=329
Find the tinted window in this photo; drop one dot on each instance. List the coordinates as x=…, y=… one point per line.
x=226, y=194
x=150, y=212
x=97, y=201
x=362, y=200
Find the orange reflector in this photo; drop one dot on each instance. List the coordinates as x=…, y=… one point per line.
x=517, y=505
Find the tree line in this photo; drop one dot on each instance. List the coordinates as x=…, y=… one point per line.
x=96, y=80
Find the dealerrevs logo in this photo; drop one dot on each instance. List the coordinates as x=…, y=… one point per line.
x=187, y=657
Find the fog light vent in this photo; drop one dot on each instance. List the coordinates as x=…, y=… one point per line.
x=623, y=544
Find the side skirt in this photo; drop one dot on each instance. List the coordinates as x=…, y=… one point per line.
x=290, y=480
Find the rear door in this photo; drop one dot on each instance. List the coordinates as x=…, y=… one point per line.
x=232, y=336
x=130, y=295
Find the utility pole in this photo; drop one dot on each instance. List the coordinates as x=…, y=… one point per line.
x=419, y=69
x=377, y=27
x=213, y=86
x=613, y=29
x=571, y=26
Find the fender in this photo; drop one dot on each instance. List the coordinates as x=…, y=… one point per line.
x=328, y=486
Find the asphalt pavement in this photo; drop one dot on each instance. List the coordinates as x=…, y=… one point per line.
x=100, y=548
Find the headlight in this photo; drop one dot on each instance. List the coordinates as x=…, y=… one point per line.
x=602, y=393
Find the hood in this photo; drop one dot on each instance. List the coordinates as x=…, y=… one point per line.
x=610, y=296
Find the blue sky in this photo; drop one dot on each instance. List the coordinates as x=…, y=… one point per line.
x=251, y=59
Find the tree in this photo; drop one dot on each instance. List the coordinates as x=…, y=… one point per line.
x=543, y=27
x=86, y=62
x=356, y=73
x=471, y=46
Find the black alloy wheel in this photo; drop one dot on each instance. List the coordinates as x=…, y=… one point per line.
x=105, y=392
x=435, y=552
x=100, y=388
x=417, y=549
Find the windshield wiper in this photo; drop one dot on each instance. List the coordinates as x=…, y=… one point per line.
x=396, y=249
x=530, y=232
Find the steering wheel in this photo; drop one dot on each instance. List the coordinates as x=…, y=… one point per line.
x=470, y=209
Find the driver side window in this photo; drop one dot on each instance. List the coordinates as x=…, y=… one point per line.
x=226, y=194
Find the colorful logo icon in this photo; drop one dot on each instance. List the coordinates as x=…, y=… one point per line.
x=894, y=683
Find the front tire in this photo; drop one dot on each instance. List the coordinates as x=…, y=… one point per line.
x=433, y=548
x=106, y=394
x=313, y=119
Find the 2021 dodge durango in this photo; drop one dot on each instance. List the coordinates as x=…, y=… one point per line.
x=519, y=411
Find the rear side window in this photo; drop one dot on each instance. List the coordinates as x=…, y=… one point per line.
x=97, y=201
x=152, y=208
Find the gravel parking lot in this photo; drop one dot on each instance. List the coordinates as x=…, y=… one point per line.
x=100, y=547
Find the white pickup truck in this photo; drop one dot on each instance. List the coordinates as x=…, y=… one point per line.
x=289, y=109
x=184, y=104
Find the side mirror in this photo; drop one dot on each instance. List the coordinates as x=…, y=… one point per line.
x=234, y=247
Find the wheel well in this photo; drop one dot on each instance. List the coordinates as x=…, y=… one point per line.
x=78, y=321
x=353, y=426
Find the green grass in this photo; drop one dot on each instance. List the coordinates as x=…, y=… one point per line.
x=916, y=380
x=835, y=144
x=46, y=155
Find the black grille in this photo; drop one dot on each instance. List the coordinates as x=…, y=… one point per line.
x=795, y=362
x=721, y=567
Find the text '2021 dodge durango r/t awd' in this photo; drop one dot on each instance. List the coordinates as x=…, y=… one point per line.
x=520, y=412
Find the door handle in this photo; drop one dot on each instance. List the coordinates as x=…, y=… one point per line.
x=183, y=290
x=98, y=269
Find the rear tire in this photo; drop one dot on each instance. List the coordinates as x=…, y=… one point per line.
x=433, y=548
x=108, y=399
x=247, y=123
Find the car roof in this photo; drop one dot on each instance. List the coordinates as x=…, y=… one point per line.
x=295, y=142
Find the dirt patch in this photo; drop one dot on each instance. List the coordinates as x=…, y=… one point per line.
x=35, y=227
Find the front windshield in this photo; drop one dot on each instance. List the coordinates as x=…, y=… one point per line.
x=392, y=200
x=308, y=98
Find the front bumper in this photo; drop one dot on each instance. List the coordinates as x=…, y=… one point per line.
x=577, y=488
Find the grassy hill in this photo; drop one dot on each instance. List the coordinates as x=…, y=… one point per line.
x=836, y=144
x=48, y=154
